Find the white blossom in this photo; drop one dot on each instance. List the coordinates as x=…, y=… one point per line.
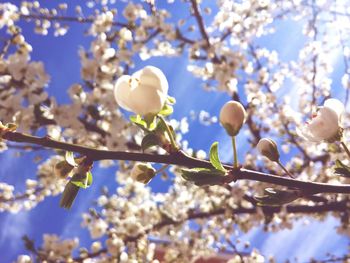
x=125, y=34
x=102, y=23
x=98, y=228
x=8, y=14
x=144, y=92
x=325, y=124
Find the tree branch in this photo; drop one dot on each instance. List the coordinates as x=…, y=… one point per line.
x=177, y=158
x=200, y=22
x=6, y=46
x=67, y=19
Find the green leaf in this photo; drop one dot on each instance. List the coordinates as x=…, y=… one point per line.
x=214, y=157
x=275, y=197
x=80, y=184
x=11, y=126
x=82, y=180
x=160, y=128
x=166, y=110
x=89, y=178
x=151, y=121
x=149, y=140
x=70, y=159
x=203, y=176
x=171, y=100
x=341, y=169
x=69, y=194
x=137, y=119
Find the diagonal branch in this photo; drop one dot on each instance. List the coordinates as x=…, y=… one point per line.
x=177, y=158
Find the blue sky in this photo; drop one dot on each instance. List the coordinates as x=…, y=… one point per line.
x=61, y=62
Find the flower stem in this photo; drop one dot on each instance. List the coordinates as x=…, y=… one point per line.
x=235, y=158
x=161, y=169
x=170, y=134
x=345, y=148
x=285, y=169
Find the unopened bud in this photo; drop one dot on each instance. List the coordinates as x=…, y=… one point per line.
x=232, y=117
x=268, y=148
x=143, y=172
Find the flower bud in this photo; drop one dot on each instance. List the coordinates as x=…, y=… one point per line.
x=63, y=169
x=268, y=148
x=144, y=92
x=232, y=117
x=143, y=172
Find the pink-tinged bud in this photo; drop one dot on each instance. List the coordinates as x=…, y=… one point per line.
x=268, y=148
x=144, y=92
x=232, y=117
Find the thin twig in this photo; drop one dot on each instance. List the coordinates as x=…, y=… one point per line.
x=200, y=22
x=345, y=148
x=233, y=246
x=6, y=46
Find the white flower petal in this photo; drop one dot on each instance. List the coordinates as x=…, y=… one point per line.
x=335, y=105
x=145, y=92
x=122, y=92
x=144, y=100
x=305, y=133
x=154, y=77
x=325, y=125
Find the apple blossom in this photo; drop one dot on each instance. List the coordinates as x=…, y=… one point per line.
x=142, y=172
x=144, y=92
x=125, y=34
x=232, y=117
x=325, y=125
x=98, y=228
x=268, y=148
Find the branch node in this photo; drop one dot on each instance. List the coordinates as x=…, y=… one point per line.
x=233, y=174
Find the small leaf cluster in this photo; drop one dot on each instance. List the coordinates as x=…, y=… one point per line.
x=78, y=172
x=341, y=169
x=156, y=129
x=207, y=176
x=8, y=127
